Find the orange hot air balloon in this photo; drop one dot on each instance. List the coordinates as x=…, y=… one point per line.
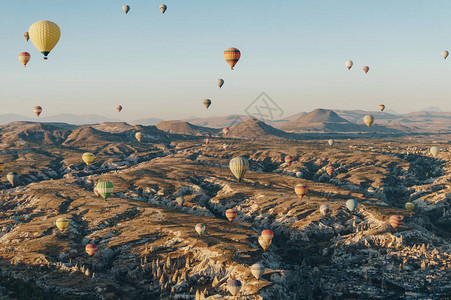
x=288, y=160
x=226, y=131
x=395, y=221
x=207, y=140
x=330, y=170
x=24, y=58
x=264, y=244
x=382, y=107
x=366, y=69
x=91, y=249
x=231, y=214
x=232, y=56
x=267, y=235
x=119, y=108
x=301, y=190
x=37, y=110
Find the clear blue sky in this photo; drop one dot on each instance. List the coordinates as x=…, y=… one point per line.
x=158, y=65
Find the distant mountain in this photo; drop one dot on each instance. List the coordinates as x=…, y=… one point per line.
x=181, y=127
x=219, y=122
x=433, y=109
x=256, y=129
x=148, y=121
x=113, y=127
x=63, y=118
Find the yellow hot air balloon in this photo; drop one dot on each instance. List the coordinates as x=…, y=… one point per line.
x=410, y=206
x=368, y=120
x=62, y=223
x=232, y=56
x=239, y=166
x=207, y=103
x=88, y=158
x=26, y=36
x=44, y=35
x=139, y=136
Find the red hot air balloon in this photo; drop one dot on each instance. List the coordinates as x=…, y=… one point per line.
x=288, y=160
x=231, y=214
x=207, y=140
x=381, y=107
x=226, y=131
x=91, y=249
x=96, y=192
x=395, y=221
x=24, y=58
x=119, y=108
x=301, y=190
x=330, y=170
x=232, y=55
x=366, y=69
x=267, y=235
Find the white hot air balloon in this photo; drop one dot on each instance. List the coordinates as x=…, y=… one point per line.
x=434, y=151
x=445, y=54
x=349, y=64
x=257, y=270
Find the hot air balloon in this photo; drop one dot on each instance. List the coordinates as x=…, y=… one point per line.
x=351, y=204
x=119, y=108
x=207, y=140
x=330, y=170
x=12, y=178
x=2, y=167
x=239, y=166
x=24, y=58
x=288, y=160
x=44, y=35
x=267, y=235
x=220, y=82
x=105, y=188
x=366, y=69
x=301, y=190
x=331, y=142
x=226, y=131
x=395, y=221
x=257, y=270
x=37, y=110
x=368, y=120
x=232, y=56
x=163, y=8
x=264, y=244
x=26, y=36
x=410, y=206
x=139, y=136
x=445, y=54
x=231, y=214
x=225, y=146
x=126, y=9
x=91, y=249
x=207, y=103
x=88, y=158
x=200, y=229
x=62, y=223
x=180, y=200
x=349, y=64
x=434, y=151
x=324, y=209
x=96, y=192
x=381, y=107
x=234, y=286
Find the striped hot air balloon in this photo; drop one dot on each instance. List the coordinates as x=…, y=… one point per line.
x=207, y=103
x=88, y=158
x=119, y=108
x=330, y=170
x=324, y=209
x=232, y=56
x=257, y=270
x=12, y=178
x=231, y=214
x=301, y=190
x=395, y=221
x=226, y=130
x=62, y=223
x=44, y=35
x=381, y=107
x=288, y=160
x=239, y=166
x=234, y=286
x=410, y=206
x=200, y=229
x=105, y=188
x=37, y=110
x=264, y=244
x=267, y=235
x=91, y=249
x=24, y=58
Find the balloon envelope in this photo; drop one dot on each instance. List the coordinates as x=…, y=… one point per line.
x=105, y=188
x=207, y=140
x=366, y=69
x=410, y=206
x=139, y=136
x=395, y=221
x=288, y=160
x=368, y=120
x=88, y=158
x=220, y=82
x=200, y=228
x=331, y=142
x=62, y=223
x=234, y=286
x=26, y=36
x=119, y=108
x=351, y=204
x=37, y=110
x=126, y=8
x=257, y=270
x=226, y=131
x=163, y=8
x=349, y=64
x=24, y=58
x=445, y=54
x=239, y=166
x=330, y=170
x=91, y=249
x=381, y=107
x=267, y=235
x=12, y=178
x=324, y=209
x=434, y=151
x=264, y=244
x=232, y=56
x=231, y=214
x=301, y=190
x=207, y=103
x=44, y=35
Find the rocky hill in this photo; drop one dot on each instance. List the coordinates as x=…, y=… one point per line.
x=181, y=127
